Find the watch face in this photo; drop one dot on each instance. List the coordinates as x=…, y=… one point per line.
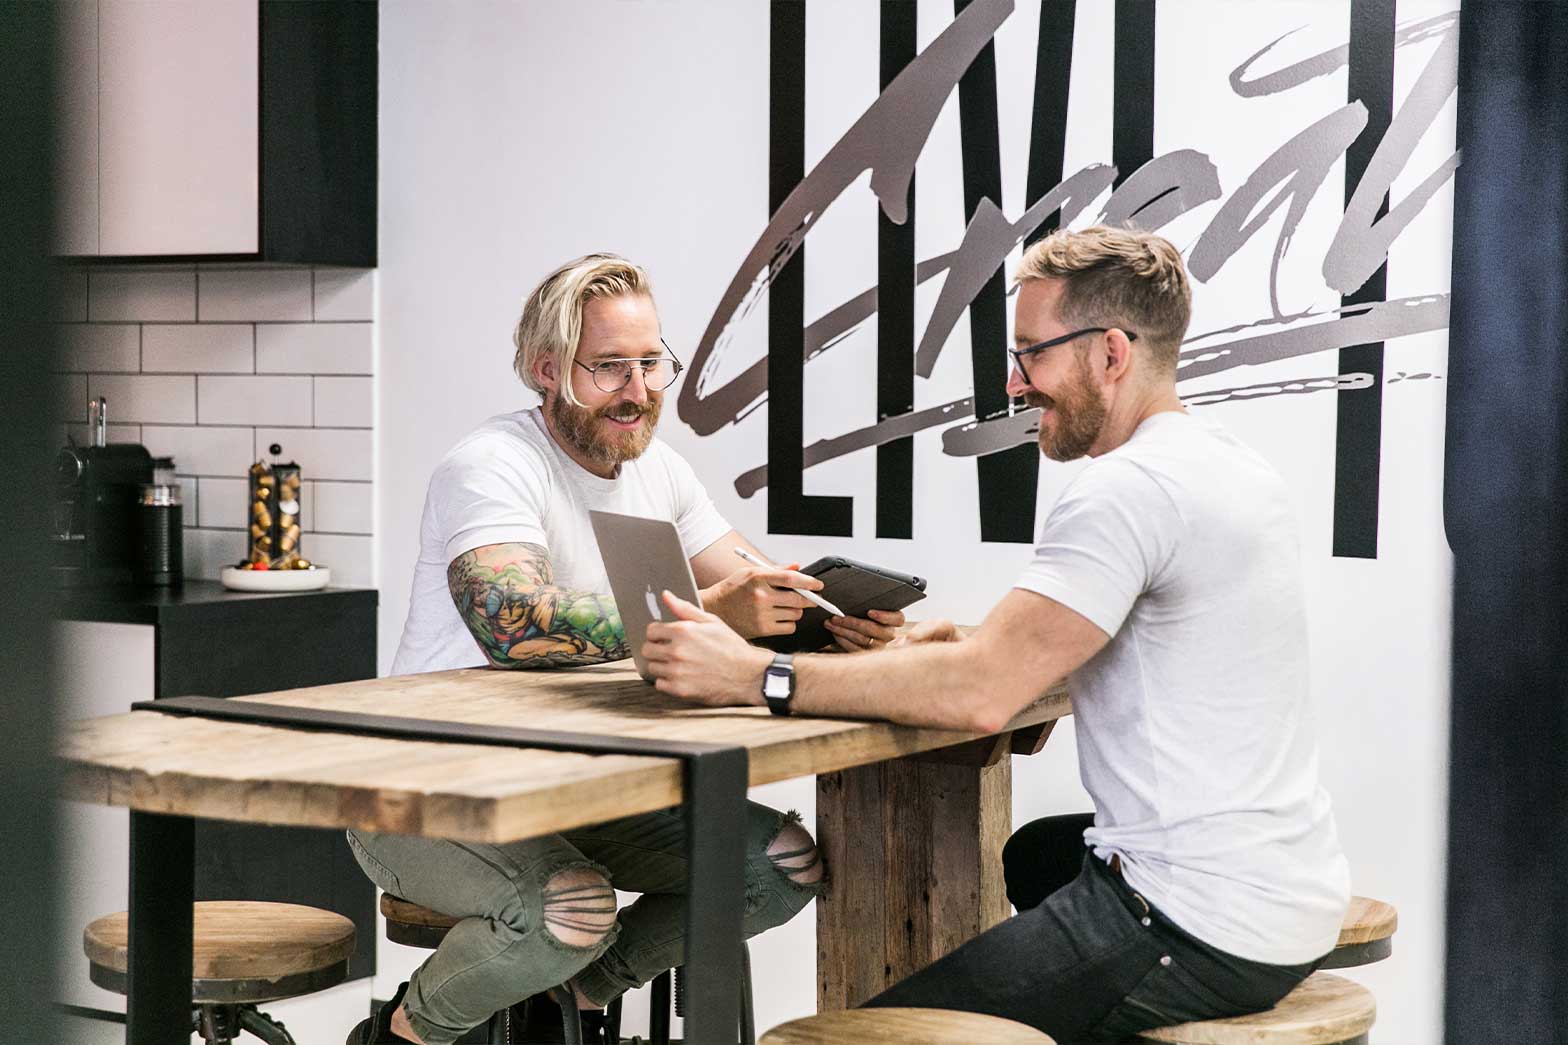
x=776, y=684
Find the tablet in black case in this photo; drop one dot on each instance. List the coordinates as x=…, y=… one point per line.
x=853, y=587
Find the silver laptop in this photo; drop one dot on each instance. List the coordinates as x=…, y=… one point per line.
x=643, y=557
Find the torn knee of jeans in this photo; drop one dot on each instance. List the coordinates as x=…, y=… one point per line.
x=579, y=906
x=793, y=852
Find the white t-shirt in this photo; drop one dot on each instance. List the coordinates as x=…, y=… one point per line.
x=507, y=481
x=1194, y=724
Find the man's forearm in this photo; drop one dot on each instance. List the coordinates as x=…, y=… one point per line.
x=521, y=620
x=940, y=685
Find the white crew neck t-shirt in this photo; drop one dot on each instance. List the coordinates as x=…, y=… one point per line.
x=508, y=481
x=1194, y=724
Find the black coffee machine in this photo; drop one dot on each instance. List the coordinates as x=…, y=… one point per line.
x=114, y=522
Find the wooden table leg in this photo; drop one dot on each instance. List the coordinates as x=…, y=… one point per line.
x=914, y=864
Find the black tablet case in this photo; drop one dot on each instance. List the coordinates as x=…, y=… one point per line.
x=853, y=588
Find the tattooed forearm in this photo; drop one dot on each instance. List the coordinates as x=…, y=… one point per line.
x=505, y=594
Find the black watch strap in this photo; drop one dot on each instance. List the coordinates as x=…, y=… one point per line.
x=778, y=683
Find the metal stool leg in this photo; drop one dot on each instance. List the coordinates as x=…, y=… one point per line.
x=659, y=1010
x=748, y=1015
x=499, y=1028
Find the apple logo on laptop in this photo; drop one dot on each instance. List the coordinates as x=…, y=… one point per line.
x=654, y=610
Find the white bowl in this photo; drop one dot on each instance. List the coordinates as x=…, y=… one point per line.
x=275, y=580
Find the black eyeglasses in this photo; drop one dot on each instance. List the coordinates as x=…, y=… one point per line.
x=1019, y=353
x=658, y=372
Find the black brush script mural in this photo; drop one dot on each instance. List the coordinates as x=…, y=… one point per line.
x=1146, y=190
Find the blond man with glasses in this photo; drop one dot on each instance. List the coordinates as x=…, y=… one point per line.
x=509, y=575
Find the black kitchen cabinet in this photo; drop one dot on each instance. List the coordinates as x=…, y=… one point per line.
x=209, y=641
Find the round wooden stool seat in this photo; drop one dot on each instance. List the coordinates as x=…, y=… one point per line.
x=905, y=1027
x=1366, y=936
x=1324, y=1010
x=243, y=951
x=412, y=925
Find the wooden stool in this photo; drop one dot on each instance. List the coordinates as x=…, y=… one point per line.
x=1324, y=1010
x=1366, y=936
x=903, y=1027
x=243, y=952
x=1323, y=1006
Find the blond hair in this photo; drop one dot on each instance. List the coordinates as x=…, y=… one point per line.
x=1118, y=278
x=552, y=319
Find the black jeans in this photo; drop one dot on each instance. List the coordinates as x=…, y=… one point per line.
x=1087, y=959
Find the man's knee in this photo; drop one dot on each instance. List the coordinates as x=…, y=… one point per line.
x=579, y=906
x=794, y=853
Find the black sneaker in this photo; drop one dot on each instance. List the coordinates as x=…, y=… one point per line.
x=377, y=1029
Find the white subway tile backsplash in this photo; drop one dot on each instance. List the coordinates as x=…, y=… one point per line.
x=209, y=551
x=342, y=508
x=189, y=500
x=169, y=399
x=203, y=451
x=351, y=558
x=210, y=366
x=255, y=294
x=225, y=503
x=142, y=297
x=344, y=402
x=251, y=400
x=70, y=392
x=345, y=294
x=99, y=347
x=309, y=348
x=199, y=348
x=323, y=453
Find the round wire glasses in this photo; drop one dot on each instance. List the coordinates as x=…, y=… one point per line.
x=658, y=372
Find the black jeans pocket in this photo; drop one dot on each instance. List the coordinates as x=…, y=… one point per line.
x=1167, y=994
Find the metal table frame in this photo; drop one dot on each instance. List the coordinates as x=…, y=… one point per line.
x=715, y=776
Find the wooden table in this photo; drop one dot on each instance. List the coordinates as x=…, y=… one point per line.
x=910, y=821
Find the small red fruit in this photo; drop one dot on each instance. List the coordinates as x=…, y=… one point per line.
x=262, y=566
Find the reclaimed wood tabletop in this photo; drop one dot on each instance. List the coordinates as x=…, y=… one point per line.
x=151, y=762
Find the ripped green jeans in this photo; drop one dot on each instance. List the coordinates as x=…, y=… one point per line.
x=541, y=912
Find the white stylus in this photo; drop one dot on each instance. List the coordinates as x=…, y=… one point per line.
x=809, y=596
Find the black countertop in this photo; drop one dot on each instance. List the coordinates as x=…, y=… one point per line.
x=206, y=600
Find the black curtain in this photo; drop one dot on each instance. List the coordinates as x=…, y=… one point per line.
x=1506, y=513
x=27, y=399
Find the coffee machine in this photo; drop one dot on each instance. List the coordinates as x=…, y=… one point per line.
x=98, y=488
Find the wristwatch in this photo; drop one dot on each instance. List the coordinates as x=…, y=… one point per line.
x=778, y=683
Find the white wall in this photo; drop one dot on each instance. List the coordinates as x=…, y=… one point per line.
x=515, y=136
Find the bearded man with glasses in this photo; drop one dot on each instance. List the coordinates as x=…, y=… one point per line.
x=509, y=575
x=1167, y=584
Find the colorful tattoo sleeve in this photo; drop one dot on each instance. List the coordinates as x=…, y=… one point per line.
x=505, y=594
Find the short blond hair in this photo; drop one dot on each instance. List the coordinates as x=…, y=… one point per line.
x=552, y=319
x=1119, y=278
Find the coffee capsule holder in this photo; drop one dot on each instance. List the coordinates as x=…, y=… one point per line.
x=274, y=554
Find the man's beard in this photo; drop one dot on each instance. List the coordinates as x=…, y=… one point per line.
x=591, y=436
x=1080, y=414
